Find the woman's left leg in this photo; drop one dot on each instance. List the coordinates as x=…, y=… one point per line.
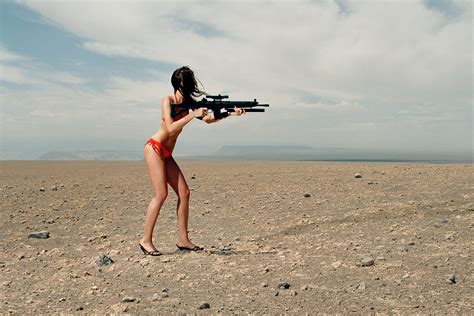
x=179, y=185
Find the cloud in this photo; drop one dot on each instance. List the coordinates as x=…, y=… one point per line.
x=319, y=62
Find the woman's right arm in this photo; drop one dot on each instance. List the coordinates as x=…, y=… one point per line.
x=174, y=127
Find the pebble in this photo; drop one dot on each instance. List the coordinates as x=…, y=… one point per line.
x=451, y=279
x=264, y=284
x=284, y=285
x=360, y=286
x=42, y=189
x=336, y=264
x=357, y=176
x=204, y=306
x=366, y=262
x=105, y=260
x=276, y=293
x=128, y=299
x=42, y=235
x=305, y=288
x=156, y=297
x=307, y=195
x=54, y=188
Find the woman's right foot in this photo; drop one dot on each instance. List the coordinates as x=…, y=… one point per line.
x=152, y=252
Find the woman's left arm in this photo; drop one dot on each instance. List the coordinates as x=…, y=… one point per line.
x=210, y=118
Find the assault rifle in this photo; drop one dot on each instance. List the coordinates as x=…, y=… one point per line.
x=219, y=107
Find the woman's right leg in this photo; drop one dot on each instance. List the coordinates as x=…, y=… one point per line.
x=157, y=172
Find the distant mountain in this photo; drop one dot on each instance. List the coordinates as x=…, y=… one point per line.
x=92, y=155
x=266, y=152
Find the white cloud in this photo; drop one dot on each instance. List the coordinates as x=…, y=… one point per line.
x=8, y=56
x=376, y=59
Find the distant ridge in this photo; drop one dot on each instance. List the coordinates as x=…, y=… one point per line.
x=92, y=155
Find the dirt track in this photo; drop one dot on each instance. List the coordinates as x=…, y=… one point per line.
x=414, y=220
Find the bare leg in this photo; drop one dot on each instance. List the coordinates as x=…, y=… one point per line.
x=157, y=171
x=179, y=185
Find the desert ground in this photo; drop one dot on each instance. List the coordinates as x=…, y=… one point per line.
x=280, y=238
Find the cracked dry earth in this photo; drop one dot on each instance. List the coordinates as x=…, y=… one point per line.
x=279, y=237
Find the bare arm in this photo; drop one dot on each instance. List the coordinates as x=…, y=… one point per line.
x=174, y=127
x=210, y=118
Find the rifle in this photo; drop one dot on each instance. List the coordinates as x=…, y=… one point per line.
x=219, y=107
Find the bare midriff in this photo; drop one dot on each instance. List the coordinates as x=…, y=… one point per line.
x=164, y=136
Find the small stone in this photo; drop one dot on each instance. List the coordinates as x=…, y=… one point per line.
x=264, y=284
x=128, y=299
x=451, y=279
x=411, y=243
x=41, y=189
x=366, y=262
x=105, y=260
x=95, y=287
x=156, y=297
x=357, y=176
x=284, y=285
x=360, y=286
x=380, y=257
x=307, y=195
x=54, y=188
x=204, y=306
x=165, y=289
x=42, y=235
x=305, y=288
x=336, y=264
x=276, y=293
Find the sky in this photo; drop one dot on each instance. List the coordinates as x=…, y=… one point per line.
x=386, y=75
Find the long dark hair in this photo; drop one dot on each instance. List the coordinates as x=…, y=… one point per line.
x=183, y=80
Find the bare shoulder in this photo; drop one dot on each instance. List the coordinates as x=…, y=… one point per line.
x=167, y=99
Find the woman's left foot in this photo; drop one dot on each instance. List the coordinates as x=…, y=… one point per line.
x=190, y=247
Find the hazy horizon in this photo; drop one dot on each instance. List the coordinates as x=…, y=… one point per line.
x=377, y=76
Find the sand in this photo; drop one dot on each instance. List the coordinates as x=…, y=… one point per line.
x=414, y=222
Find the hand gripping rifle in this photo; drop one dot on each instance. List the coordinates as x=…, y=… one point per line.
x=219, y=107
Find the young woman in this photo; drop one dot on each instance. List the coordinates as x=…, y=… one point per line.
x=161, y=165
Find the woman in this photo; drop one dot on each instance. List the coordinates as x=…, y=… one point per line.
x=161, y=165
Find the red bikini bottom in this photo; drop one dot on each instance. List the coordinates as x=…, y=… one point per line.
x=161, y=151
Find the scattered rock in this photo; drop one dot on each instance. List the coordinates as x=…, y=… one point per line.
x=284, y=285
x=156, y=297
x=276, y=293
x=264, y=284
x=105, y=260
x=451, y=279
x=360, y=286
x=336, y=264
x=41, y=189
x=42, y=234
x=128, y=299
x=357, y=176
x=204, y=306
x=54, y=188
x=307, y=195
x=304, y=287
x=366, y=262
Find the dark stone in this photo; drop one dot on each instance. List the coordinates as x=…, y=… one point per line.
x=105, y=260
x=451, y=279
x=284, y=286
x=204, y=306
x=42, y=235
x=307, y=195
